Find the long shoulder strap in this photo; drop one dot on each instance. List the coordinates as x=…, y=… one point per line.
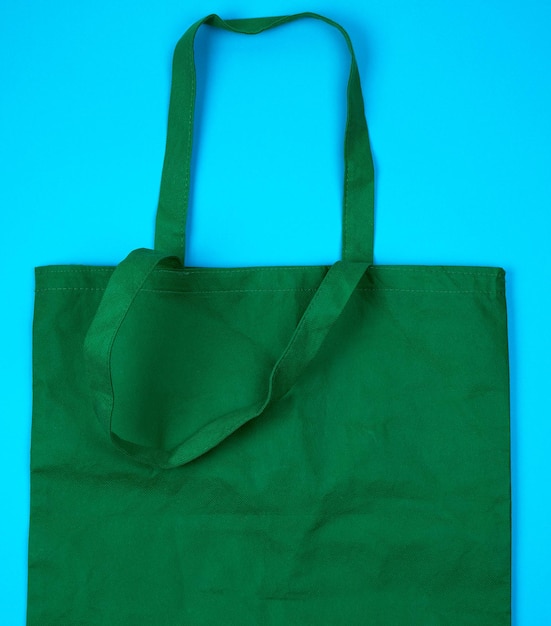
x=358, y=193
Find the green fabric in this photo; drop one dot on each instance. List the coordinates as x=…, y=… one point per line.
x=269, y=445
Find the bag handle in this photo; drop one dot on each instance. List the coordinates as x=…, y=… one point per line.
x=358, y=194
x=124, y=285
x=130, y=275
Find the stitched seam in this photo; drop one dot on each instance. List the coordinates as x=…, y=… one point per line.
x=345, y=195
x=438, y=268
x=188, y=271
x=273, y=290
x=91, y=269
x=187, y=174
x=312, y=289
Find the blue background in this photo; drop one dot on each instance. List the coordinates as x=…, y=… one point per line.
x=458, y=99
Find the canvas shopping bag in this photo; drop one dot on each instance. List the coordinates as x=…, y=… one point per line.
x=269, y=445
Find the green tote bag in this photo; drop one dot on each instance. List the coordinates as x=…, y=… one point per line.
x=319, y=445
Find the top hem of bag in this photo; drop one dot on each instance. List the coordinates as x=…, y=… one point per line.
x=395, y=278
x=450, y=269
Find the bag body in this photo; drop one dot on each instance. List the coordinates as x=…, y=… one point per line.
x=269, y=445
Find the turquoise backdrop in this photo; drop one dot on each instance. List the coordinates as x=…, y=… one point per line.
x=465, y=88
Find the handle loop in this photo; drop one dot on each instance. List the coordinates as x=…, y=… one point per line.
x=124, y=285
x=358, y=195
x=129, y=276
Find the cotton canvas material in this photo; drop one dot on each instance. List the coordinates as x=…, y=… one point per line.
x=269, y=445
